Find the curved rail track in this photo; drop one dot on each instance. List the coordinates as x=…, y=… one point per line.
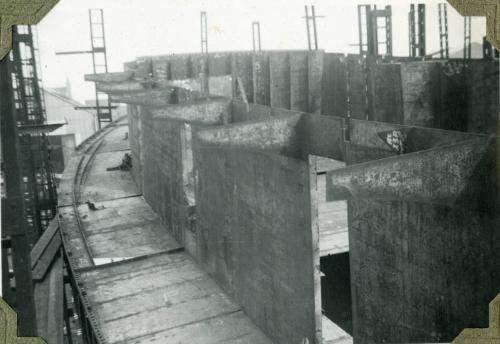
x=89, y=325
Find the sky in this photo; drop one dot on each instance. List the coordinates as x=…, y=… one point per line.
x=153, y=27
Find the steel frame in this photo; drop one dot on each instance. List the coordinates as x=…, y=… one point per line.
x=489, y=51
x=443, y=31
x=30, y=110
x=256, y=36
x=416, y=31
x=467, y=37
x=100, y=62
x=15, y=230
x=368, y=26
x=311, y=19
x=204, y=32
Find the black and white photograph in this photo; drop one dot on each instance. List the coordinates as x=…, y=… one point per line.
x=250, y=172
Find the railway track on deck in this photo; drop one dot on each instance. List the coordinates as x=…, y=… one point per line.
x=89, y=325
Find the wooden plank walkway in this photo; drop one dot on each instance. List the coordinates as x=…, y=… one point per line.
x=165, y=298
x=125, y=228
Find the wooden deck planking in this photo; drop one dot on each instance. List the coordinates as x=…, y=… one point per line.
x=125, y=228
x=130, y=242
x=73, y=239
x=231, y=328
x=108, y=289
x=101, y=185
x=164, y=296
x=332, y=219
x=115, y=140
x=167, y=295
x=117, y=212
x=333, y=334
x=65, y=187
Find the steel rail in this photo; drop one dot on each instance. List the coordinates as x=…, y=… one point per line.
x=90, y=327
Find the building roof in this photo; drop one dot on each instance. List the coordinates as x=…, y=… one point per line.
x=40, y=128
x=66, y=99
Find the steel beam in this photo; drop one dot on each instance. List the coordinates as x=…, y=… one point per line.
x=78, y=52
x=91, y=107
x=161, y=97
x=110, y=77
x=421, y=30
x=417, y=30
x=256, y=36
x=206, y=112
x=204, y=32
x=437, y=175
x=119, y=87
x=443, y=31
x=467, y=37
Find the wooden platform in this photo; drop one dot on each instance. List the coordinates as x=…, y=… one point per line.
x=166, y=298
x=125, y=228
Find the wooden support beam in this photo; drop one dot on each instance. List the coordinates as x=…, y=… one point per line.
x=43, y=241
x=242, y=91
x=49, y=296
x=43, y=264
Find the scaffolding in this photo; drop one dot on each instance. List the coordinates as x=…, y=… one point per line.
x=489, y=51
x=256, y=36
x=312, y=33
x=204, y=32
x=467, y=37
x=416, y=31
x=374, y=24
x=30, y=200
x=98, y=51
x=41, y=197
x=443, y=31
x=100, y=63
